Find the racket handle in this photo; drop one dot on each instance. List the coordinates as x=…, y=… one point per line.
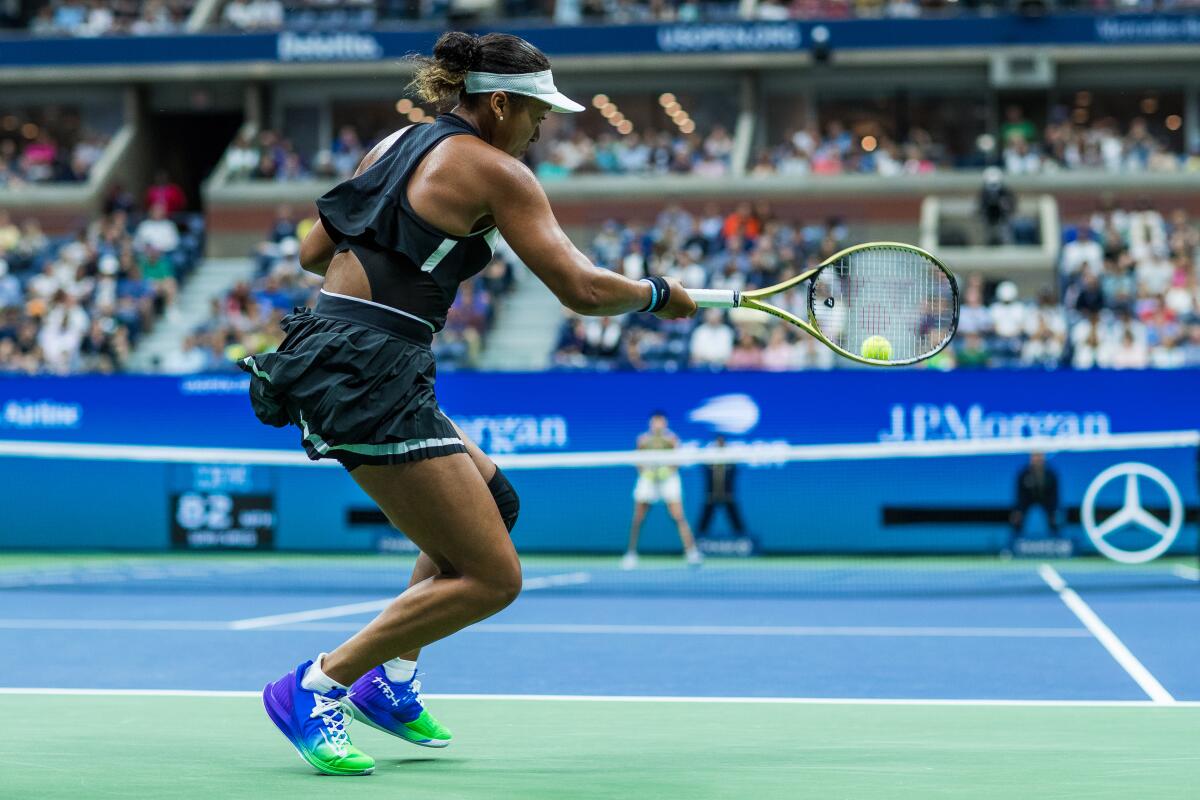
x=715, y=298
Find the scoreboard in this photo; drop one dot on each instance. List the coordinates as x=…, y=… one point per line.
x=222, y=507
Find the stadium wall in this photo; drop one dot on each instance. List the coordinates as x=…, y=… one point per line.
x=100, y=484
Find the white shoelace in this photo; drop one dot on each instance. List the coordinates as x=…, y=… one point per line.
x=386, y=689
x=336, y=715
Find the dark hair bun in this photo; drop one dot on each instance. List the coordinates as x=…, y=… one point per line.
x=457, y=51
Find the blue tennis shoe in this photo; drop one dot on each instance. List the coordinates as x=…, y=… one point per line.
x=315, y=724
x=396, y=708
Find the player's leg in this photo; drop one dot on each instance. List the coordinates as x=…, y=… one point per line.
x=1016, y=528
x=425, y=568
x=735, y=517
x=675, y=509
x=1051, y=519
x=446, y=509
x=388, y=697
x=672, y=494
x=641, y=504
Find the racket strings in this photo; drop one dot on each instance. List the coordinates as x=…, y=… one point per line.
x=889, y=292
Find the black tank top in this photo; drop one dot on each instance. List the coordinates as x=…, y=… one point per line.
x=412, y=266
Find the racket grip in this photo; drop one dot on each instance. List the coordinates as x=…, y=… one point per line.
x=715, y=298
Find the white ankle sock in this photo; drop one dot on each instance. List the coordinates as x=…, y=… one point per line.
x=400, y=671
x=315, y=679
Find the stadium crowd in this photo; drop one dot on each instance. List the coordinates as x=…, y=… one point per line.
x=32, y=153
x=1063, y=144
x=106, y=17
x=271, y=156
x=831, y=149
x=649, y=153
x=142, y=17
x=1129, y=298
x=246, y=320
x=78, y=303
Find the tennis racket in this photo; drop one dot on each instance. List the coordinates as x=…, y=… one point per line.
x=881, y=303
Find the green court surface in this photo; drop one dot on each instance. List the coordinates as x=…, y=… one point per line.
x=224, y=748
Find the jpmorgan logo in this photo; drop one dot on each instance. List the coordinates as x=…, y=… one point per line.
x=328, y=47
x=922, y=422
x=1132, y=477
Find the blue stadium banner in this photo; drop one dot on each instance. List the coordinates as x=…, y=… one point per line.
x=574, y=412
x=943, y=504
x=745, y=37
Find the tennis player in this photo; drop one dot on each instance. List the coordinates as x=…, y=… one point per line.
x=659, y=484
x=356, y=375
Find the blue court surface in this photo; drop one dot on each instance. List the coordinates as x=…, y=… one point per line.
x=1071, y=631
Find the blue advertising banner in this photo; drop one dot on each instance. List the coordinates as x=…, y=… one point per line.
x=566, y=411
x=753, y=37
x=940, y=504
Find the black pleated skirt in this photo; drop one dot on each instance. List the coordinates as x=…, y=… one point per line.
x=358, y=381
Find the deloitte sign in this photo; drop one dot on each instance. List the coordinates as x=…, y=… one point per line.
x=328, y=47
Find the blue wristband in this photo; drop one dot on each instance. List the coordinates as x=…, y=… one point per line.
x=653, y=294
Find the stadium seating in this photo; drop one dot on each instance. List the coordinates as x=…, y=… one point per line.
x=1132, y=302
x=137, y=17
x=44, y=146
x=79, y=303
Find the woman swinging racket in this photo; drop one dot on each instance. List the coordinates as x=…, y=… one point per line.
x=356, y=374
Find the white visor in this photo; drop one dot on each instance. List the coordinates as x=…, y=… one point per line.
x=530, y=84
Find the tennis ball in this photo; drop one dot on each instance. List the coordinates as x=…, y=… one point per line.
x=877, y=348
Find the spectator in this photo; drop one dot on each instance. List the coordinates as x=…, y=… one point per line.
x=159, y=270
x=1016, y=126
x=250, y=15
x=996, y=207
x=602, y=337
x=1129, y=354
x=746, y=353
x=62, y=333
x=974, y=316
x=10, y=234
x=712, y=342
x=242, y=157
x=166, y=193
x=973, y=354
x=1080, y=253
x=1008, y=320
x=347, y=151
x=157, y=231
x=10, y=288
x=190, y=358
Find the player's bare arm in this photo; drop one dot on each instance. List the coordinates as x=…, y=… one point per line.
x=523, y=215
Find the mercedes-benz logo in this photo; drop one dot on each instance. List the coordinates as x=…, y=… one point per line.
x=1132, y=512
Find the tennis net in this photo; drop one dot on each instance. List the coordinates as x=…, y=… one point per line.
x=878, y=519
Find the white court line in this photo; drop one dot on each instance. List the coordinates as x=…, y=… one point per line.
x=1187, y=573
x=780, y=630
x=315, y=613
x=1115, y=647
x=113, y=625
x=564, y=628
x=330, y=612
x=818, y=701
